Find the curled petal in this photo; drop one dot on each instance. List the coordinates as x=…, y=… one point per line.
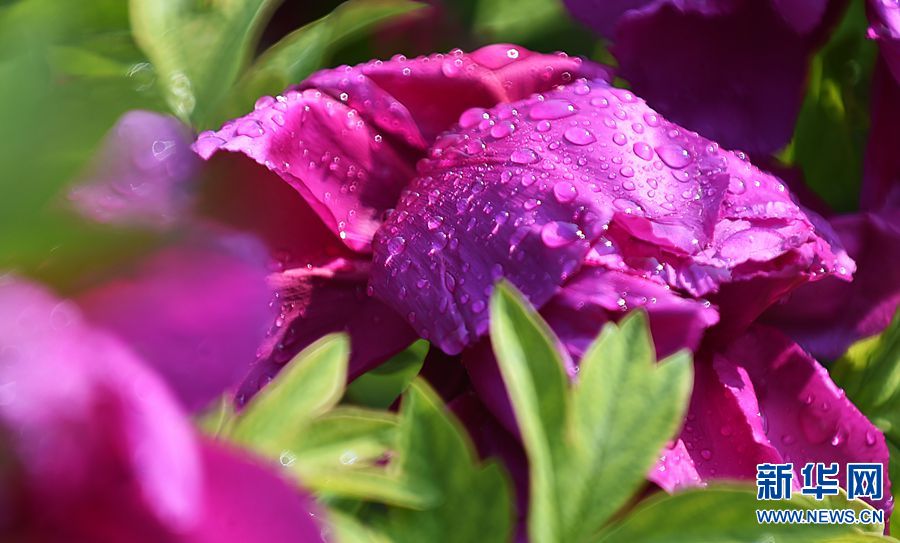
x=317, y=300
x=94, y=430
x=596, y=295
x=784, y=405
x=826, y=317
x=347, y=139
x=589, y=173
x=196, y=312
x=141, y=174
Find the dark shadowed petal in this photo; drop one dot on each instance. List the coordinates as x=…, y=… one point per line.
x=319, y=284
x=247, y=501
x=602, y=15
x=705, y=66
x=347, y=139
x=828, y=316
x=195, y=311
x=583, y=173
x=881, y=175
x=764, y=399
x=104, y=447
x=801, y=15
x=317, y=300
x=140, y=175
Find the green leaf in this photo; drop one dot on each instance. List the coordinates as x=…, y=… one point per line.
x=381, y=386
x=589, y=445
x=198, y=47
x=308, y=386
x=346, y=529
x=723, y=515
x=537, y=385
x=472, y=501
x=345, y=437
x=311, y=47
x=831, y=132
x=869, y=372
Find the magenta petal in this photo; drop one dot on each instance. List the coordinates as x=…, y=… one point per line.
x=141, y=174
x=347, y=139
x=884, y=16
x=530, y=190
x=595, y=295
x=248, y=501
x=802, y=15
x=196, y=312
x=703, y=65
x=317, y=300
x=602, y=15
x=807, y=417
x=104, y=447
x=826, y=317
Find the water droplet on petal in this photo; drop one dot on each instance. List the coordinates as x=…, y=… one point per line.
x=642, y=150
x=674, y=156
x=523, y=156
x=551, y=109
x=558, y=234
x=565, y=191
x=579, y=136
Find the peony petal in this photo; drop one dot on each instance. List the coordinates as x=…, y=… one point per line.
x=317, y=300
x=196, y=312
x=807, y=417
x=247, y=500
x=94, y=430
x=141, y=174
x=884, y=16
x=585, y=172
x=595, y=295
x=602, y=15
x=703, y=65
x=347, y=139
x=828, y=316
x=763, y=399
x=881, y=175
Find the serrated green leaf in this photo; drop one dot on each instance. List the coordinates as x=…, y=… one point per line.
x=308, y=386
x=347, y=529
x=346, y=437
x=382, y=386
x=869, y=372
x=198, y=48
x=725, y=514
x=591, y=445
x=472, y=500
x=310, y=48
x=626, y=407
x=537, y=386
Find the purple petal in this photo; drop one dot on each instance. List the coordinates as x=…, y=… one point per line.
x=317, y=300
x=247, y=501
x=140, y=176
x=585, y=172
x=828, y=316
x=884, y=16
x=595, y=296
x=881, y=175
x=802, y=15
x=764, y=399
x=703, y=65
x=196, y=312
x=602, y=15
x=103, y=445
x=347, y=139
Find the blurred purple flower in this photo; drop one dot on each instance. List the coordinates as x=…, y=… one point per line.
x=733, y=70
x=102, y=452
